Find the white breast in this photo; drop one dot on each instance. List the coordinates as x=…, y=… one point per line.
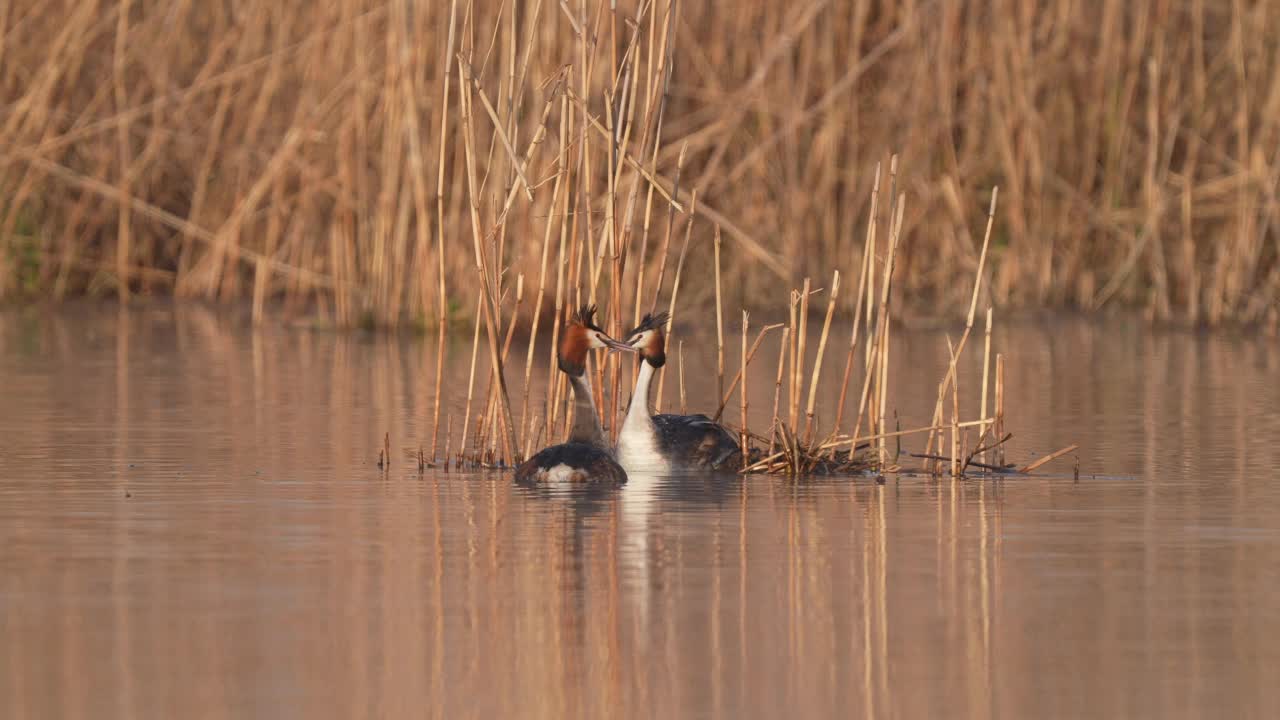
x=638, y=452
x=560, y=474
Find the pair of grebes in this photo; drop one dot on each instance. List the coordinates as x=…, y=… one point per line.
x=647, y=443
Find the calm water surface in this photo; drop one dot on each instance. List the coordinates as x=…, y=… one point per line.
x=192, y=525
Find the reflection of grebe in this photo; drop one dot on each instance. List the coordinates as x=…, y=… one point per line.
x=662, y=442
x=586, y=457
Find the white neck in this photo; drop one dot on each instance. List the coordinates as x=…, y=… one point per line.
x=639, y=411
x=586, y=422
x=638, y=447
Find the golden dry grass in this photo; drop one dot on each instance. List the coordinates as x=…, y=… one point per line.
x=315, y=153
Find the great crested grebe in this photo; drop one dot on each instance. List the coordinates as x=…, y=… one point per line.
x=586, y=458
x=663, y=442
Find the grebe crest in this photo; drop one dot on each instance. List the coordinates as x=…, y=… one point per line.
x=660, y=442
x=649, y=338
x=586, y=457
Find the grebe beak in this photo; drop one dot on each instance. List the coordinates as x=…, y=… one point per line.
x=615, y=346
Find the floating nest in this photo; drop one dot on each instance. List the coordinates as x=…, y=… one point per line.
x=791, y=456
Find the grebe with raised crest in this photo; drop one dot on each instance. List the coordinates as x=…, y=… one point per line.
x=665, y=441
x=586, y=457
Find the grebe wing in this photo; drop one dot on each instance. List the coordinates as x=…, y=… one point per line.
x=698, y=440
x=571, y=462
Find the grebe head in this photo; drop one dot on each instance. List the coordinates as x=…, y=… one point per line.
x=581, y=335
x=649, y=339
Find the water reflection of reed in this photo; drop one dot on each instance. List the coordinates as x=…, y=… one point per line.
x=263, y=567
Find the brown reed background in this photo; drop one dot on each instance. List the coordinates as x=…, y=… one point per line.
x=315, y=153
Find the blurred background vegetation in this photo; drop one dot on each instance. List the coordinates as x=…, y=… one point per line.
x=313, y=155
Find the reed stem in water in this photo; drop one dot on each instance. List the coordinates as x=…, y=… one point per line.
x=744, y=444
x=719, y=323
x=791, y=375
x=471, y=377
x=777, y=387
x=798, y=367
x=863, y=272
x=999, y=457
x=684, y=407
x=986, y=371
x=488, y=284
x=817, y=362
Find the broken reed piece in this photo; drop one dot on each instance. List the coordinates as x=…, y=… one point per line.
x=817, y=363
x=1047, y=458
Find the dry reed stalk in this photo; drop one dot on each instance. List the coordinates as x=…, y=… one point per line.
x=973, y=308
x=550, y=410
x=719, y=323
x=675, y=291
x=955, y=413
x=448, y=440
x=491, y=416
x=870, y=303
x=863, y=273
x=636, y=165
x=534, y=434
x=797, y=368
x=610, y=366
x=791, y=375
x=654, y=111
x=744, y=443
x=542, y=279
x=488, y=292
x=883, y=380
x=737, y=377
x=522, y=164
x=777, y=387
x=999, y=412
x=512, y=155
x=986, y=371
x=875, y=357
x=471, y=376
x=124, y=226
x=441, y=332
x=817, y=362
x=666, y=239
x=684, y=408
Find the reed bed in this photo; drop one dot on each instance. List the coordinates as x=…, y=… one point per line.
x=796, y=442
x=838, y=451
x=341, y=160
x=288, y=153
